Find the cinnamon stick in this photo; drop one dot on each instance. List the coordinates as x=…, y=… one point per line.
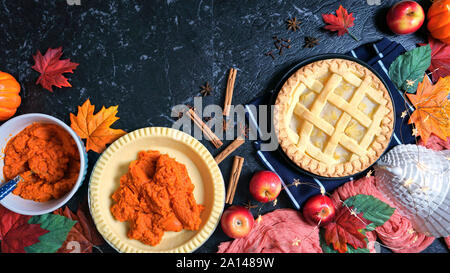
x=234, y=178
x=205, y=129
x=229, y=91
x=229, y=149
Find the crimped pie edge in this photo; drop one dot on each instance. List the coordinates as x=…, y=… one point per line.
x=312, y=165
x=95, y=183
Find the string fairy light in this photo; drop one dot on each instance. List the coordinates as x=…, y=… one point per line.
x=297, y=242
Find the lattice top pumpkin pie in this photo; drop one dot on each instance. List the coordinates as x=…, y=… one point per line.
x=333, y=117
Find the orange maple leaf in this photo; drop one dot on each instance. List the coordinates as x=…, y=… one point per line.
x=96, y=128
x=432, y=114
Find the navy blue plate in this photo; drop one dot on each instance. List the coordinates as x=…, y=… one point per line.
x=306, y=62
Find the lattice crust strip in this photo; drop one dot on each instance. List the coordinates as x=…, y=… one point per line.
x=298, y=146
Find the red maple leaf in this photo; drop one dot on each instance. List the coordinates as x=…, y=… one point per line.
x=52, y=68
x=346, y=230
x=339, y=22
x=83, y=235
x=16, y=233
x=440, y=59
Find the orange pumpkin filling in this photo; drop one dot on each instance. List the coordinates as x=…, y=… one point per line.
x=46, y=157
x=154, y=196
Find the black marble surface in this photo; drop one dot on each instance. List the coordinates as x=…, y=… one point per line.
x=148, y=56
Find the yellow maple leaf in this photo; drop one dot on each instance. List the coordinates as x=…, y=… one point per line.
x=96, y=128
x=432, y=108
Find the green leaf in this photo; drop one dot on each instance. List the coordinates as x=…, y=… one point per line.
x=329, y=248
x=58, y=227
x=371, y=227
x=373, y=209
x=408, y=69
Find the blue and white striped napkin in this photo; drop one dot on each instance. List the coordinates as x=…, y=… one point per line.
x=378, y=55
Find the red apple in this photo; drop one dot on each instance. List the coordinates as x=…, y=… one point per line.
x=405, y=17
x=319, y=210
x=237, y=222
x=265, y=186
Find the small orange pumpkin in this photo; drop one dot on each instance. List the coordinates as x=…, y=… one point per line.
x=439, y=20
x=9, y=96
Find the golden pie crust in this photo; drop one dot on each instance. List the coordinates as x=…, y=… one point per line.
x=113, y=164
x=333, y=117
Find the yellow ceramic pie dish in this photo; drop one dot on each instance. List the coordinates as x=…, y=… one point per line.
x=203, y=171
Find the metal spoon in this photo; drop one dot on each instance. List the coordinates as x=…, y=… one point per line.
x=9, y=186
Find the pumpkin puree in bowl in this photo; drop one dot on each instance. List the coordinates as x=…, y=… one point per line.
x=154, y=196
x=47, y=159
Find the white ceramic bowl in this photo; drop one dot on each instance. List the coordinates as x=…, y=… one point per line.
x=28, y=207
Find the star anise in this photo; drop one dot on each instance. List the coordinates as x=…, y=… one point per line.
x=293, y=24
x=249, y=205
x=205, y=89
x=311, y=42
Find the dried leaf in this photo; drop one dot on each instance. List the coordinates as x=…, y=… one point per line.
x=58, y=227
x=83, y=235
x=440, y=59
x=16, y=233
x=52, y=68
x=346, y=229
x=432, y=109
x=96, y=128
x=339, y=22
